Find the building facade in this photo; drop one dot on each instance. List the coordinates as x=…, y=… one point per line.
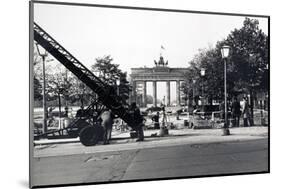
x=160, y=73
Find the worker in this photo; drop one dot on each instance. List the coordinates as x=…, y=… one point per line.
x=107, y=122
x=155, y=118
x=138, y=121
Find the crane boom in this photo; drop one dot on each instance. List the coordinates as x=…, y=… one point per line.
x=106, y=94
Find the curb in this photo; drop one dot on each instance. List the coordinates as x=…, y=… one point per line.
x=76, y=140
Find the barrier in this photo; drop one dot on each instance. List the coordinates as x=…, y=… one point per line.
x=202, y=120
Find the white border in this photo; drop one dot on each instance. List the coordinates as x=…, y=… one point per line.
x=14, y=92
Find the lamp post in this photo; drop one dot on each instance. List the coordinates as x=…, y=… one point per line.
x=250, y=59
x=43, y=53
x=202, y=72
x=98, y=74
x=66, y=96
x=225, y=53
x=118, y=84
x=193, y=94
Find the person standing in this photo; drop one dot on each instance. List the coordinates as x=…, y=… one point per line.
x=245, y=111
x=80, y=112
x=156, y=121
x=222, y=112
x=107, y=122
x=235, y=112
x=138, y=121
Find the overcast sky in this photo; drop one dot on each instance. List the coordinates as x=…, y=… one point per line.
x=134, y=37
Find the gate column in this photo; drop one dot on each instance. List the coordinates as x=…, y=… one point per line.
x=178, y=93
x=168, y=93
x=144, y=94
x=154, y=93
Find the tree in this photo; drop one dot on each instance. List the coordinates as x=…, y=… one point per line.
x=79, y=92
x=249, y=56
x=36, y=83
x=210, y=60
x=188, y=86
x=57, y=88
x=109, y=73
x=211, y=85
x=247, y=67
x=149, y=99
x=37, y=89
x=247, y=64
x=249, y=47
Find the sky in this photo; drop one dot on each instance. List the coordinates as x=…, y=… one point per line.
x=134, y=37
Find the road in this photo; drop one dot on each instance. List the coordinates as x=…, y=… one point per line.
x=156, y=162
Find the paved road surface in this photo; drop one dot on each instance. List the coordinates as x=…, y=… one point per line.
x=156, y=162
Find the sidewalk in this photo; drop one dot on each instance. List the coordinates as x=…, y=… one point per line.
x=150, y=135
x=122, y=141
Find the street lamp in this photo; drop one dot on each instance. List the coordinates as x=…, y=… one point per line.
x=224, y=54
x=193, y=88
x=43, y=53
x=118, y=84
x=66, y=92
x=202, y=72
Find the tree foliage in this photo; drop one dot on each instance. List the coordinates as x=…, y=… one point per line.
x=109, y=73
x=37, y=89
x=249, y=56
x=79, y=92
x=60, y=83
x=36, y=82
x=247, y=65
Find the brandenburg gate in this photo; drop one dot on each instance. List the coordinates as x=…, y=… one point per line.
x=159, y=73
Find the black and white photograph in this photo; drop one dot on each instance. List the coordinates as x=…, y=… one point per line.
x=125, y=94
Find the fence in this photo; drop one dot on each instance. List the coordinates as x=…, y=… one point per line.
x=200, y=120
